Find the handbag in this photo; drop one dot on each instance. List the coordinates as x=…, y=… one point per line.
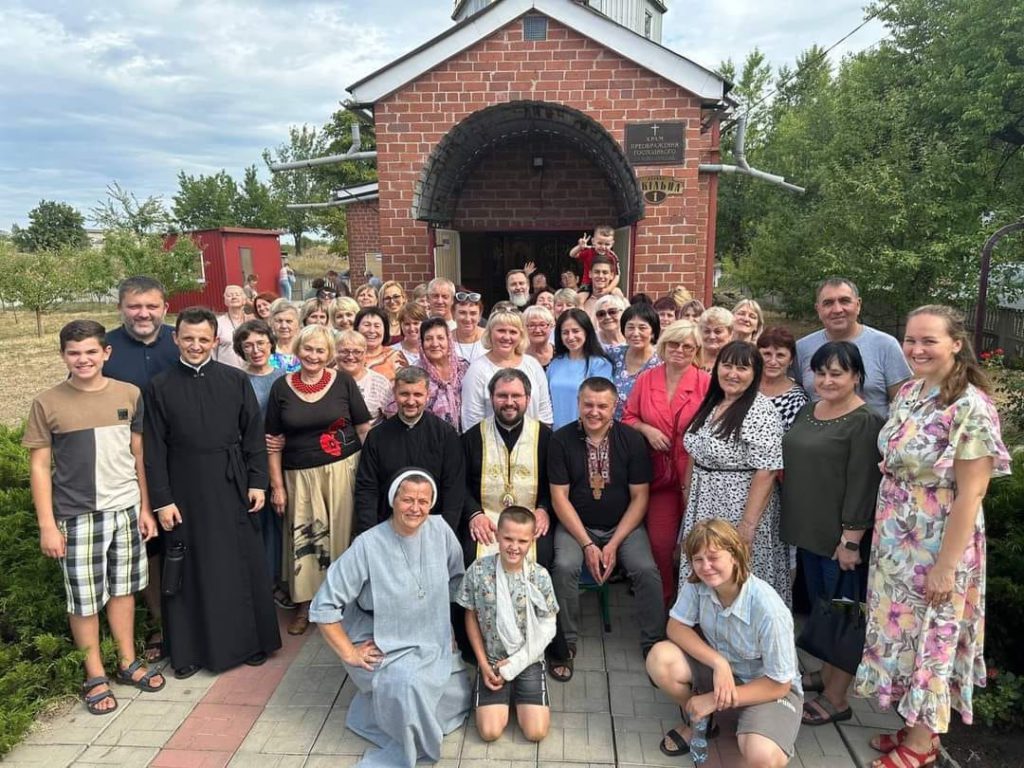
x=835, y=630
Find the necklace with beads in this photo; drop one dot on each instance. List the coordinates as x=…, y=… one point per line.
x=310, y=389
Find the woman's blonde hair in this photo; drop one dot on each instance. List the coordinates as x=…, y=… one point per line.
x=965, y=365
x=757, y=310
x=348, y=336
x=310, y=332
x=681, y=331
x=346, y=303
x=715, y=316
x=567, y=296
x=718, y=534
x=681, y=296
x=505, y=318
x=539, y=312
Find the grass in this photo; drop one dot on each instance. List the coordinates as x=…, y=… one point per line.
x=33, y=362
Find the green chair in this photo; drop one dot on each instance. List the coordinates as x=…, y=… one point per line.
x=589, y=584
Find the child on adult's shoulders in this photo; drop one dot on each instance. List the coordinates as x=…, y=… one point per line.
x=746, y=659
x=510, y=620
x=600, y=244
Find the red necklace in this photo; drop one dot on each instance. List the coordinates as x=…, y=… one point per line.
x=310, y=389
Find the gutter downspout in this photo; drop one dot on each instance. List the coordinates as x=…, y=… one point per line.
x=742, y=166
x=353, y=153
x=712, y=228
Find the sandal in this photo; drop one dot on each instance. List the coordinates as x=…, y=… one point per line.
x=904, y=757
x=93, y=699
x=566, y=664
x=281, y=600
x=887, y=742
x=681, y=747
x=299, y=624
x=824, y=713
x=154, y=650
x=184, y=673
x=812, y=682
x=145, y=683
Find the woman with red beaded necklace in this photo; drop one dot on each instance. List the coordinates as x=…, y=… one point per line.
x=321, y=415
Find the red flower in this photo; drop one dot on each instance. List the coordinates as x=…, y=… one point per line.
x=337, y=425
x=992, y=673
x=999, y=350
x=329, y=444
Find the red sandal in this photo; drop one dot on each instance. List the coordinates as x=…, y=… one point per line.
x=904, y=757
x=887, y=742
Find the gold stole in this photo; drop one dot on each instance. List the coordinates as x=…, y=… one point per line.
x=508, y=480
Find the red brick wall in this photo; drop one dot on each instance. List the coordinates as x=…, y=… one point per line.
x=363, y=237
x=569, y=69
x=506, y=192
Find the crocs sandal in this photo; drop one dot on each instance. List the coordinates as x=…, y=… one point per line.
x=145, y=683
x=93, y=699
x=824, y=712
x=681, y=747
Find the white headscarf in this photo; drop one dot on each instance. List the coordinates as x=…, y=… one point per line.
x=404, y=475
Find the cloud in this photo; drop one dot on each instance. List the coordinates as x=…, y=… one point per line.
x=139, y=91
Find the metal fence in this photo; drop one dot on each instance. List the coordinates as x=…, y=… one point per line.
x=1003, y=329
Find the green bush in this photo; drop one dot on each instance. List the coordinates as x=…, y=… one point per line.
x=38, y=661
x=1001, y=706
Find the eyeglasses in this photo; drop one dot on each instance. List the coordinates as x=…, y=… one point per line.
x=603, y=313
x=680, y=345
x=393, y=298
x=470, y=296
x=251, y=346
x=538, y=326
x=346, y=353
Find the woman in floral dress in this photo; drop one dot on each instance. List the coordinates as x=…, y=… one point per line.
x=641, y=327
x=735, y=447
x=926, y=582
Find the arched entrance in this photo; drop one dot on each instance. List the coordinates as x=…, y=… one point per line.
x=521, y=181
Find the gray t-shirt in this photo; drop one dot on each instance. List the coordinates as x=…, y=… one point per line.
x=884, y=365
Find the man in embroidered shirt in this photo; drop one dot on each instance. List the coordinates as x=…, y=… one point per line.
x=413, y=437
x=600, y=476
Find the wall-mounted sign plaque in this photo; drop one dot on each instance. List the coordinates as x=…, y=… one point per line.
x=657, y=188
x=661, y=143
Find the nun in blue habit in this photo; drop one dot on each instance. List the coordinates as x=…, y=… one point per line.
x=384, y=609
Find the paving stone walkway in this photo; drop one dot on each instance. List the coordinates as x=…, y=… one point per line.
x=290, y=713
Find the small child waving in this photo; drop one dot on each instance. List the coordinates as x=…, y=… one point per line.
x=600, y=244
x=510, y=619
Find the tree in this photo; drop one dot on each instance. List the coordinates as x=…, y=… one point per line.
x=255, y=205
x=121, y=210
x=337, y=133
x=52, y=226
x=205, y=202
x=302, y=186
x=176, y=267
x=38, y=281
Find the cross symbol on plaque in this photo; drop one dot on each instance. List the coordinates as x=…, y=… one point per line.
x=654, y=129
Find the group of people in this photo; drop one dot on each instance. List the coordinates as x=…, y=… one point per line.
x=427, y=485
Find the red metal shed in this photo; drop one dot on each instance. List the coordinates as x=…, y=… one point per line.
x=229, y=254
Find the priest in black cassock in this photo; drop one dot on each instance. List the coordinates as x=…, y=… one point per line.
x=206, y=461
x=413, y=437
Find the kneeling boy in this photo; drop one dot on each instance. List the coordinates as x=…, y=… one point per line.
x=510, y=619
x=93, y=511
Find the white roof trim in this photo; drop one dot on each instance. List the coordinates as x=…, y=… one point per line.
x=609, y=34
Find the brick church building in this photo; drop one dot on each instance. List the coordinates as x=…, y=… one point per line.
x=524, y=125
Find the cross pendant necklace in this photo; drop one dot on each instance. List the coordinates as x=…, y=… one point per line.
x=420, y=591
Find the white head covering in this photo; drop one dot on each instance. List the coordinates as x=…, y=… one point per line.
x=404, y=475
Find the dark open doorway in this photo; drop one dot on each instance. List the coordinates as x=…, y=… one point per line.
x=487, y=256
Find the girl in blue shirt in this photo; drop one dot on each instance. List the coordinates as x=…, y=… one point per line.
x=578, y=356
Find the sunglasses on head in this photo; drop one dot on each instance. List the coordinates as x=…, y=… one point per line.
x=470, y=296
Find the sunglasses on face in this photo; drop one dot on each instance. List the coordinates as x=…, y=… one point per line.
x=470, y=296
x=603, y=313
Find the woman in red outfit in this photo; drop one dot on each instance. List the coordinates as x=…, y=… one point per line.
x=661, y=407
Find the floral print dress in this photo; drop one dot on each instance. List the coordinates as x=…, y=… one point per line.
x=927, y=658
x=624, y=380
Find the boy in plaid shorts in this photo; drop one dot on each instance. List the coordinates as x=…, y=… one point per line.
x=92, y=508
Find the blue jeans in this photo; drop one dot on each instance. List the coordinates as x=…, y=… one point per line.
x=821, y=574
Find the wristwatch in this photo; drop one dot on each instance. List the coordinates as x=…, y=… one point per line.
x=852, y=546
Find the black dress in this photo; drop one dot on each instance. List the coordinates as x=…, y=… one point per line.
x=204, y=448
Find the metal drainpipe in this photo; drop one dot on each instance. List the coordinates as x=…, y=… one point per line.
x=742, y=166
x=353, y=153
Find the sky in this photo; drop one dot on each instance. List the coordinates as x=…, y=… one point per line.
x=136, y=91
